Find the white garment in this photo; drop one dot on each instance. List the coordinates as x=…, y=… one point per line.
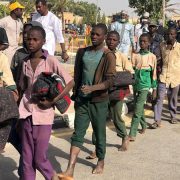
x=13, y=29
x=53, y=27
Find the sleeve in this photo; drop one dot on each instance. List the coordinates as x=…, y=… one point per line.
x=58, y=69
x=7, y=76
x=111, y=70
x=126, y=64
x=3, y=23
x=113, y=27
x=154, y=75
x=57, y=26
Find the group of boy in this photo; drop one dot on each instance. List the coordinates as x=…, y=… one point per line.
x=94, y=72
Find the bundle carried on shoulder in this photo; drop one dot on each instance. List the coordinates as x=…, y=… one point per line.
x=50, y=85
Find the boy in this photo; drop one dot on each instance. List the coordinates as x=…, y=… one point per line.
x=37, y=115
x=122, y=64
x=94, y=72
x=144, y=64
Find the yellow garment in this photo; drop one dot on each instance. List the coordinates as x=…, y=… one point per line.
x=7, y=76
x=15, y=5
x=122, y=62
x=171, y=65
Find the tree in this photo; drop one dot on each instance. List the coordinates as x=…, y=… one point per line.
x=103, y=19
x=154, y=7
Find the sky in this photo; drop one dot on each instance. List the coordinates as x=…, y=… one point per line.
x=110, y=7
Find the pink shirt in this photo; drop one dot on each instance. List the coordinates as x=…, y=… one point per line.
x=29, y=108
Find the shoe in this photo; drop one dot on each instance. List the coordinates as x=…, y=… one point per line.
x=174, y=121
x=155, y=125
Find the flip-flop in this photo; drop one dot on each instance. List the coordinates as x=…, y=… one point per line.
x=90, y=157
x=174, y=121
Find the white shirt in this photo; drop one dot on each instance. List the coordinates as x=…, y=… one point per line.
x=53, y=27
x=13, y=29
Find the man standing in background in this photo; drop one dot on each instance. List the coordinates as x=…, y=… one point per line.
x=126, y=32
x=13, y=26
x=53, y=27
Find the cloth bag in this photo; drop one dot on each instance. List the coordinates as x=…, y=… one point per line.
x=123, y=78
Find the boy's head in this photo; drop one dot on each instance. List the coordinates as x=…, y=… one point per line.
x=26, y=29
x=144, y=41
x=98, y=34
x=35, y=39
x=171, y=34
x=112, y=40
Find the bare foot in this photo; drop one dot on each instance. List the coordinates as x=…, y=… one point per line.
x=125, y=143
x=92, y=156
x=131, y=138
x=63, y=176
x=99, y=167
x=142, y=131
x=67, y=175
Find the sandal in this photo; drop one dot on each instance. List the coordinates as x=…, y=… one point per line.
x=92, y=156
x=155, y=125
x=173, y=121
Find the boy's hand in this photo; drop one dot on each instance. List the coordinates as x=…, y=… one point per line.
x=86, y=89
x=45, y=103
x=154, y=94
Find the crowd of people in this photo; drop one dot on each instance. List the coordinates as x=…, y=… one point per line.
x=148, y=56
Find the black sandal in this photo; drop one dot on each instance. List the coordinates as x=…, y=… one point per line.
x=155, y=125
x=173, y=121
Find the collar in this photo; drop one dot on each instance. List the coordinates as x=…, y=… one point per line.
x=44, y=55
x=143, y=52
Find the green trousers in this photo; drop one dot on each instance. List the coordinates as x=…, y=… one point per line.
x=116, y=112
x=96, y=113
x=140, y=98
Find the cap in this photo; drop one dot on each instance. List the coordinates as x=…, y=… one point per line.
x=34, y=23
x=124, y=12
x=146, y=14
x=15, y=5
x=153, y=23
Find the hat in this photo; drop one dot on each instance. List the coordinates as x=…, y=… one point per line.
x=34, y=23
x=153, y=23
x=146, y=14
x=124, y=12
x=15, y=5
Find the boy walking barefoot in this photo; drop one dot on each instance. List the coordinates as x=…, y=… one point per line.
x=37, y=115
x=94, y=72
x=144, y=64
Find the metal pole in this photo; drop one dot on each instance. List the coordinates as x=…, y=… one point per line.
x=97, y=10
x=163, y=11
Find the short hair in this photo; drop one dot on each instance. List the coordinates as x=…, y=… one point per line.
x=172, y=29
x=40, y=29
x=44, y=2
x=115, y=33
x=101, y=26
x=145, y=35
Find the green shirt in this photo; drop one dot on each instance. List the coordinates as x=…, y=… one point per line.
x=91, y=60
